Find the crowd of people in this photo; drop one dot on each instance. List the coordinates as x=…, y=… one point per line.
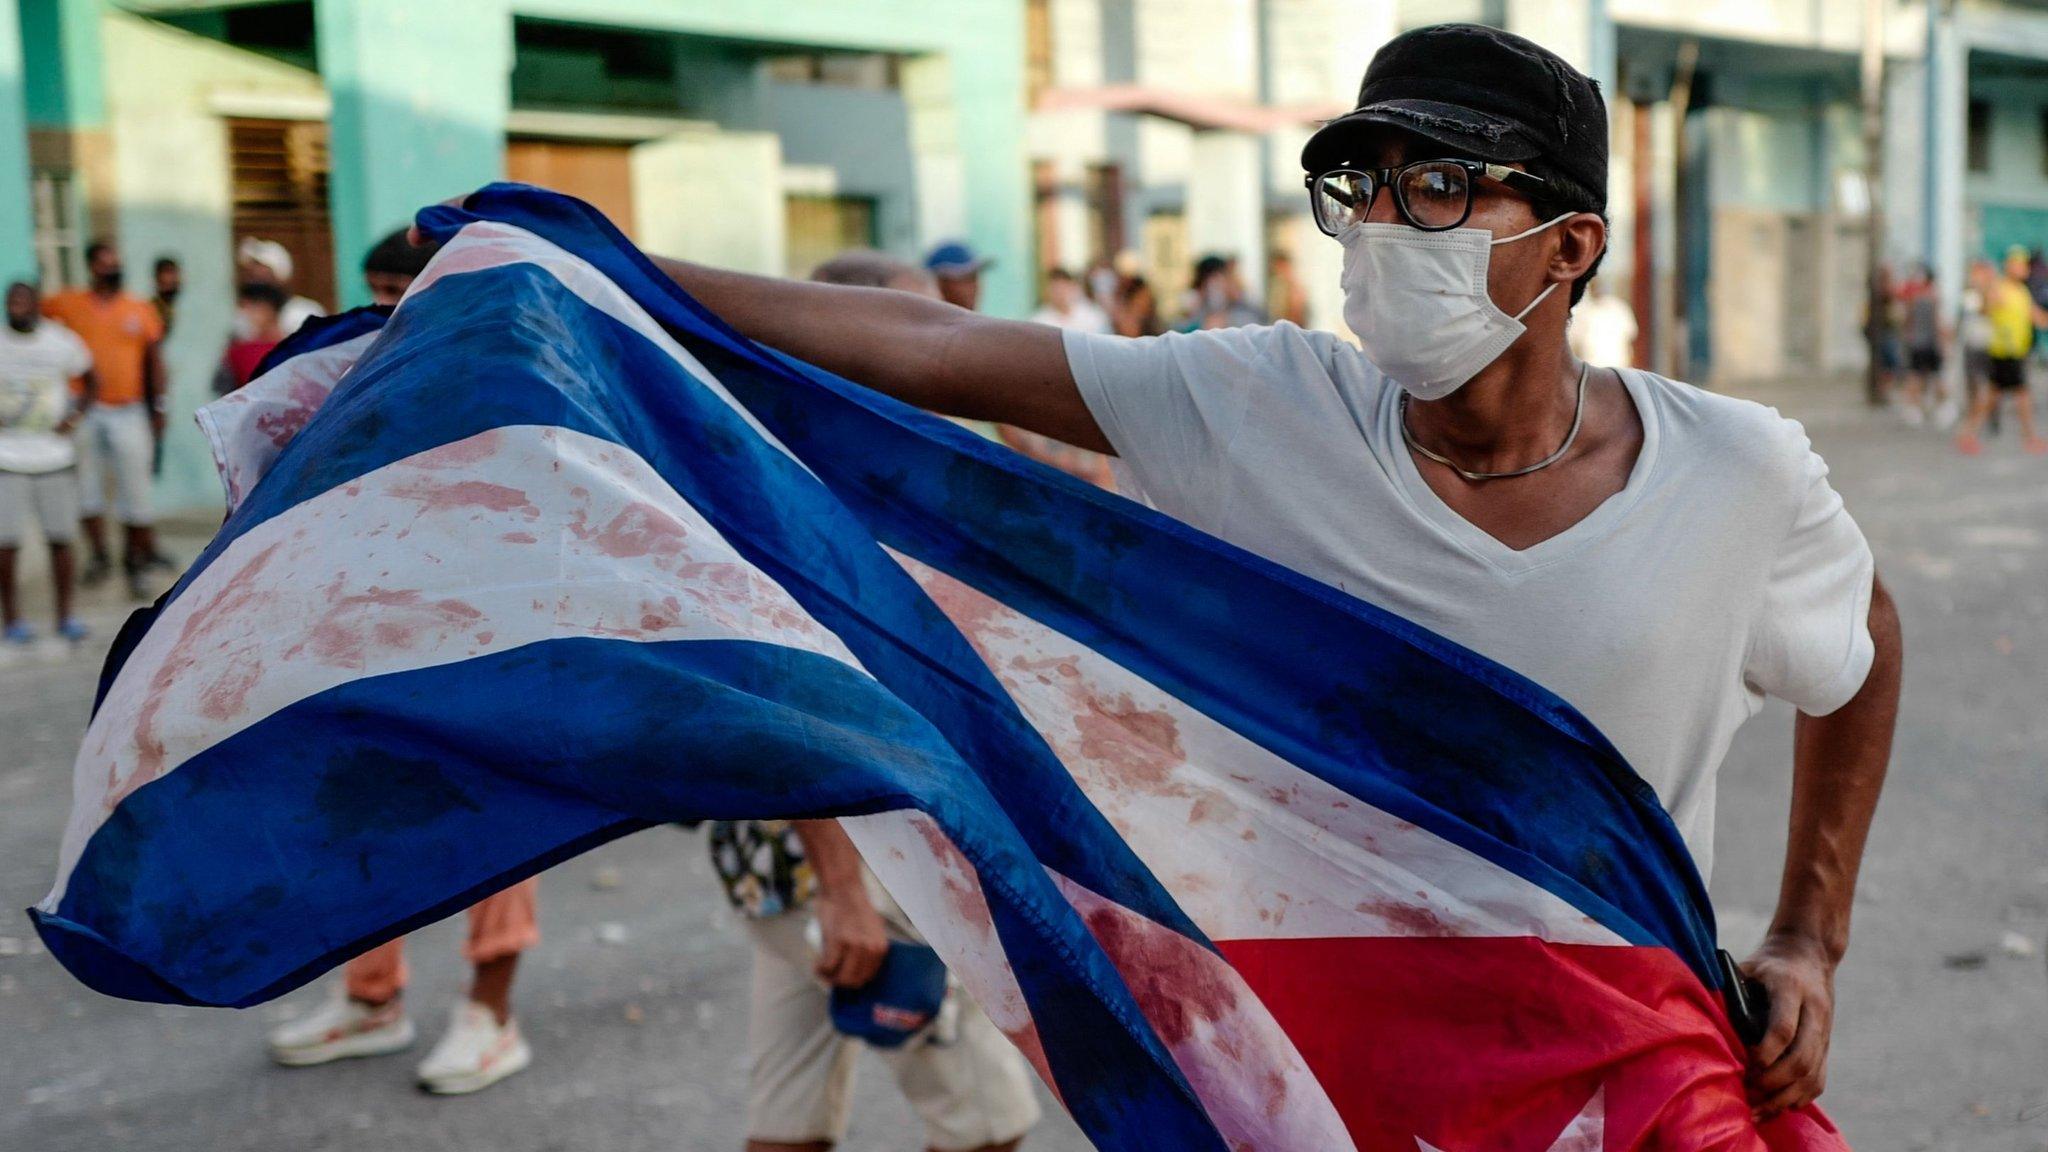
x=1998, y=330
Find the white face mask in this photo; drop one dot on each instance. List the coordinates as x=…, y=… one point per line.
x=1417, y=302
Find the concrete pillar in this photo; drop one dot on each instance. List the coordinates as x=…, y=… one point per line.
x=1226, y=206
x=973, y=179
x=1948, y=87
x=420, y=93
x=17, y=232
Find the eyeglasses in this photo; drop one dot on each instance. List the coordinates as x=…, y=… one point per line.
x=1432, y=195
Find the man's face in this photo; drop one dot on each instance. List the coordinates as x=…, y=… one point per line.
x=387, y=287
x=169, y=279
x=2017, y=267
x=106, y=268
x=1061, y=293
x=258, y=317
x=963, y=290
x=1515, y=272
x=21, y=308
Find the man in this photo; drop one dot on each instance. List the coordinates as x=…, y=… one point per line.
x=260, y=261
x=2013, y=315
x=170, y=280
x=40, y=363
x=1926, y=338
x=958, y=270
x=969, y=1085
x=117, y=435
x=1218, y=293
x=366, y=1015
x=390, y=267
x=1660, y=557
x=258, y=328
x=1065, y=306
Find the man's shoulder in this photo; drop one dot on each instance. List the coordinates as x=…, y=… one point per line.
x=1727, y=434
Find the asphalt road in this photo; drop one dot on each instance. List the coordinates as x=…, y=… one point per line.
x=634, y=1002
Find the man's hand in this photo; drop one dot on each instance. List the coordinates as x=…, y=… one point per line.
x=1789, y=1066
x=855, y=939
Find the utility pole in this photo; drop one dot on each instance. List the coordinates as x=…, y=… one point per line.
x=1873, y=180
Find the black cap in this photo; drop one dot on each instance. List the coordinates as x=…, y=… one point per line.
x=1488, y=94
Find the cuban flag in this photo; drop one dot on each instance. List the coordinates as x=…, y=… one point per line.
x=552, y=555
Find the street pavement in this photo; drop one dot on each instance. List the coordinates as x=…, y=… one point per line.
x=635, y=1000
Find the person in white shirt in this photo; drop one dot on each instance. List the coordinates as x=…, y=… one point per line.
x=1660, y=557
x=41, y=363
x=259, y=261
x=1068, y=308
x=1603, y=330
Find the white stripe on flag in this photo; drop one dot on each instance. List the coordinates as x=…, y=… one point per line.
x=512, y=536
x=1250, y=846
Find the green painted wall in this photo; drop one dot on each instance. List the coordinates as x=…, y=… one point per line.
x=420, y=92
x=171, y=197
x=66, y=87
x=17, y=236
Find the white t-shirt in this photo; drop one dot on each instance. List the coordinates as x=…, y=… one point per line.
x=36, y=369
x=1725, y=570
x=1084, y=316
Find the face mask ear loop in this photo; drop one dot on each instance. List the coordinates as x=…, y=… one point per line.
x=1536, y=301
x=1550, y=223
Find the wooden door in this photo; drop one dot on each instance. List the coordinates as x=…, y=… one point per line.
x=598, y=172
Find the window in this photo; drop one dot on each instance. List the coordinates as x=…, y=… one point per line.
x=60, y=247
x=278, y=172
x=821, y=227
x=870, y=70
x=1980, y=136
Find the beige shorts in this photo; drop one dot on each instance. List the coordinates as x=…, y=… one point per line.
x=971, y=1090
x=48, y=498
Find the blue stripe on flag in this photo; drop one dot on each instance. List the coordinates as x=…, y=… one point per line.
x=439, y=780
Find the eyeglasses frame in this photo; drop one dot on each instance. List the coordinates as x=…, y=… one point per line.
x=1527, y=183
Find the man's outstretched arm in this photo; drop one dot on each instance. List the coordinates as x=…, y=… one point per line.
x=1838, y=768
x=920, y=351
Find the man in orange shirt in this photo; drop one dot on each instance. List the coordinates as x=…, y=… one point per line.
x=118, y=433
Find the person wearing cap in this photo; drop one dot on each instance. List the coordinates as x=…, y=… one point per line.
x=958, y=268
x=1660, y=557
x=259, y=261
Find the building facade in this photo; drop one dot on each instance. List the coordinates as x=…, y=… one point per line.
x=1047, y=132
x=761, y=137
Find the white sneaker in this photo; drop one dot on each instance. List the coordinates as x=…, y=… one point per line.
x=476, y=1053
x=339, y=1029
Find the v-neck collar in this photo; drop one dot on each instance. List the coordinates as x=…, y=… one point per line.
x=1424, y=501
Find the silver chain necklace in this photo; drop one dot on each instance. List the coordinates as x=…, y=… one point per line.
x=1578, y=414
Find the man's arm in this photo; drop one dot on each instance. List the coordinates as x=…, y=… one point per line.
x=1838, y=768
x=153, y=378
x=855, y=939
x=921, y=351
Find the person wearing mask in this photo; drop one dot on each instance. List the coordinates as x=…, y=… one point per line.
x=117, y=435
x=258, y=328
x=2010, y=308
x=169, y=281
x=259, y=261
x=46, y=380
x=1218, y=297
x=1066, y=307
x=965, y=1081
x=1660, y=557
x=957, y=268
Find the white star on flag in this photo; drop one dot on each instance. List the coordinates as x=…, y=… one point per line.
x=1583, y=1133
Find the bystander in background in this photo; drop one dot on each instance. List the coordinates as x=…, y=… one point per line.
x=45, y=381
